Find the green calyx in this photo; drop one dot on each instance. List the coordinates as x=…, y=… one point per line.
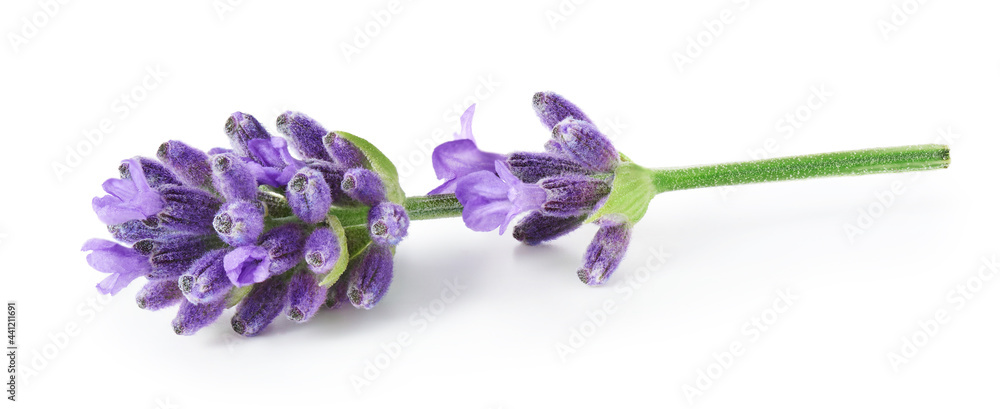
x=631, y=191
x=381, y=165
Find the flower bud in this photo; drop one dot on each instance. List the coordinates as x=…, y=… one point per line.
x=536, y=227
x=159, y=294
x=364, y=186
x=387, y=223
x=239, y=223
x=343, y=152
x=233, y=178
x=171, y=256
x=552, y=108
x=586, y=144
x=305, y=133
x=188, y=163
x=572, y=195
x=309, y=195
x=370, y=277
x=336, y=296
x=606, y=251
x=187, y=209
x=193, y=317
x=135, y=230
x=305, y=296
x=241, y=129
x=206, y=280
x=322, y=250
x=264, y=302
x=155, y=172
x=531, y=167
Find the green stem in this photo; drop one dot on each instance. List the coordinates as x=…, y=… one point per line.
x=848, y=163
x=432, y=207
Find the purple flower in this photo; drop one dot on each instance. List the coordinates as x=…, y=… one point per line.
x=364, y=186
x=605, y=251
x=460, y=157
x=305, y=296
x=531, y=167
x=159, y=294
x=493, y=200
x=387, y=223
x=370, y=277
x=272, y=165
x=206, y=280
x=343, y=152
x=309, y=195
x=171, y=256
x=322, y=250
x=536, y=227
x=264, y=302
x=305, y=133
x=123, y=263
x=193, y=317
x=247, y=265
x=135, y=230
x=239, y=223
x=583, y=142
x=155, y=172
x=188, y=163
x=242, y=129
x=187, y=209
x=128, y=199
x=552, y=108
x=573, y=195
x=279, y=250
x=233, y=178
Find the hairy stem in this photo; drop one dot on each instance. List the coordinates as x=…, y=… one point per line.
x=433, y=207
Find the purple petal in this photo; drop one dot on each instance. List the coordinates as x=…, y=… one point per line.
x=247, y=265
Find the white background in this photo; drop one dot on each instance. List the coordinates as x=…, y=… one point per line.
x=935, y=70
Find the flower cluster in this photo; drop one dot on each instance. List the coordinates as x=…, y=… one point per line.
x=253, y=227
x=559, y=189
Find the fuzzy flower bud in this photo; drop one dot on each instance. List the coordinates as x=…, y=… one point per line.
x=233, y=178
x=370, y=277
x=343, y=152
x=552, y=108
x=536, y=227
x=188, y=163
x=531, y=167
x=322, y=250
x=606, y=251
x=305, y=133
x=572, y=195
x=364, y=186
x=305, y=296
x=159, y=294
x=193, y=317
x=586, y=144
x=171, y=256
x=154, y=172
x=187, y=209
x=239, y=223
x=241, y=129
x=387, y=223
x=206, y=280
x=264, y=302
x=309, y=195
x=135, y=230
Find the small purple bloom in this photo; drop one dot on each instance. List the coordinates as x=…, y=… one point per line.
x=322, y=250
x=187, y=209
x=537, y=227
x=188, y=163
x=309, y=195
x=206, y=280
x=239, y=223
x=128, y=199
x=264, y=302
x=364, y=186
x=123, y=263
x=370, y=277
x=460, y=157
x=159, y=294
x=583, y=142
x=274, y=165
x=572, y=195
x=305, y=133
x=233, y=178
x=606, y=251
x=343, y=152
x=305, y=296
x=387, y=223
x=247, y=265
x=280, y=249
x=493, y=200
x=155, y=172
x=241, y=129
x=531, y=167
x=552, y=108
x=193, y=317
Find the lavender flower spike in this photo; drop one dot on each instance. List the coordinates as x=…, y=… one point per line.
x=492, y=201
x=305, y=296
x=343, y=152
x=552, y=108
x=322, y=250
x=605, y=251
x=309, y=195
x=264, y=302
x=364, y=186
x=370, y=277
x=586, y=144
x=159, y=294
x=460, y=157
x=206, y=280
x=193, y=317
x=233, y=178
x=305, y=133
x=188, y=163
x=128, y=199
x=387, y=223
x=241, y=129
x=239, y=223
x=123, y=263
